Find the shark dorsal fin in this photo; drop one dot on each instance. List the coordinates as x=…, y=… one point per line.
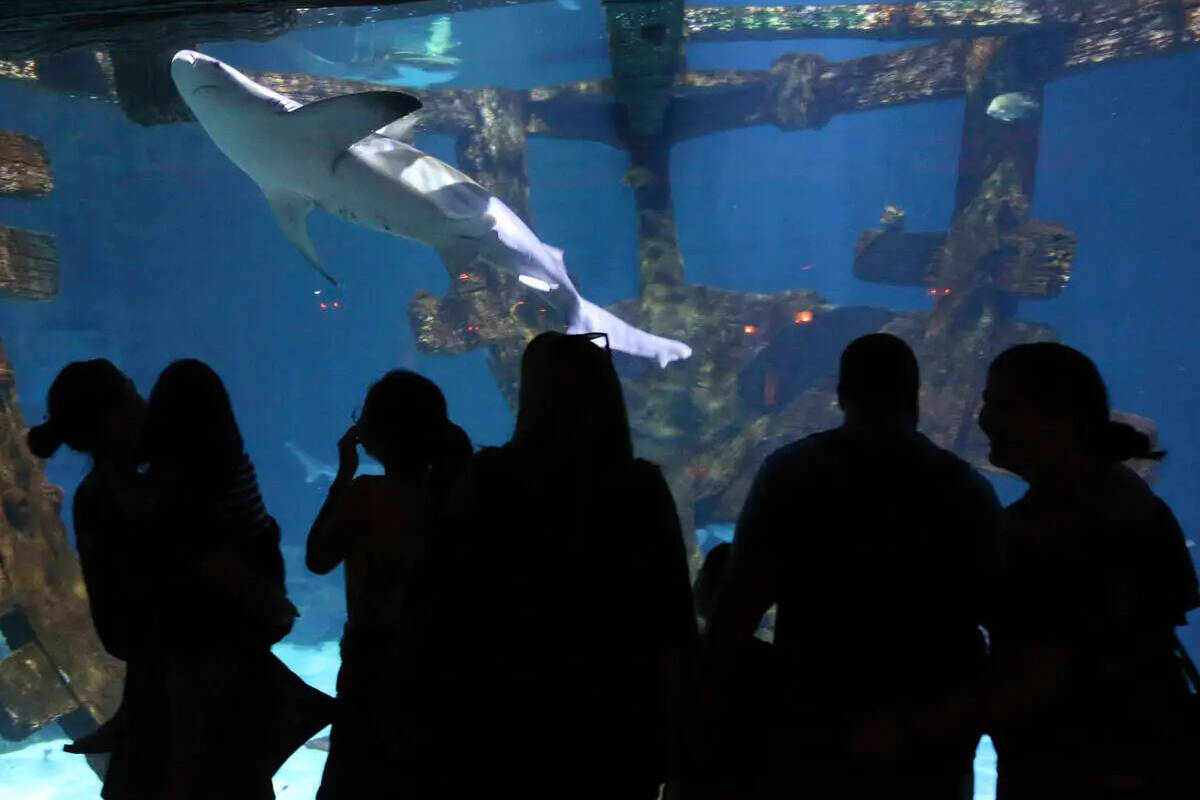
x=333, y=125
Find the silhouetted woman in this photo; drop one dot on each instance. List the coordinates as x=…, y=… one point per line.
x=235, y=710
x=95, y=409
x=381, y=527
x=565, y=597
x=1093, y=578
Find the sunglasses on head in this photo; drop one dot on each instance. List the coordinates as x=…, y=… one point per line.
x=593, y=336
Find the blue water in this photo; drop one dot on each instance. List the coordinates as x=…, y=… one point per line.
x=168, y=250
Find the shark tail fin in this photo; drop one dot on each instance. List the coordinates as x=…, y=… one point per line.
x=622, y=336
x=312, y=470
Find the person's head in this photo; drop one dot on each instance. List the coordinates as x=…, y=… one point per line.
x=708, y=581
x=1046, y=407
x=571, y=407
x=404, y=424
x=879, y=381
x=190, y=426
x=93, y=408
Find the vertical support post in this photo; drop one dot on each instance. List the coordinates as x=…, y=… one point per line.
x=493, y=150
x=971, y=318
x=659, y=260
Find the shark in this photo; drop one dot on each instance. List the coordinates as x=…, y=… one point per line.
x=409, y=69
x=406, y=56
x=315, y=470
x=345, y=155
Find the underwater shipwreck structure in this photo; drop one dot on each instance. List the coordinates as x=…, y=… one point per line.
x=763, y=367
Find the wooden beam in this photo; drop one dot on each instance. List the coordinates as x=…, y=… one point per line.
x=803, y=91
x=24, y=170
x=37, y=28
x=28, y=265
x=799, y=91
x=143, y=84
x=940, y=19
x=1032, y=261
x=329, y=17
x=8, y=596
x=34, y=28
x=645, y=40
x=47, y=583
x=32, y=695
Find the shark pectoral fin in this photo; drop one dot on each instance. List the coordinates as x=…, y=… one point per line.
x=291, y=212
x=335, y=124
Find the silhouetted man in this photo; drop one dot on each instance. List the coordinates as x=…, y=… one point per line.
x=872, y=542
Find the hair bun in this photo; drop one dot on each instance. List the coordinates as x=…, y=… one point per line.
x=1122, y=442
x=44, y=440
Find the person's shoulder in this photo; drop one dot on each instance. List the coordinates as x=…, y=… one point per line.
x=492, y=454
x=801, y=451
x=945, y=460
x=368, y=483
x=87, y=495
x=953, y=470
x=490, y=463
x=370, y=488
x=1123, y=495
x=643, y=467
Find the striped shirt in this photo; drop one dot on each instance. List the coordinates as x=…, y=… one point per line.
x=239, y=507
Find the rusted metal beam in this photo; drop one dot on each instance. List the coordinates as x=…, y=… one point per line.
x=645, y=40
x=799, y=91
x=45, y=583
x=36, y=28
x=922, y=20
x=32, y=695
x=28, y=265
x=1032, y=261
x=24, y=169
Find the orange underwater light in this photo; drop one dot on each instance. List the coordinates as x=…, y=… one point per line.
x=750, y=330
x=803, y=317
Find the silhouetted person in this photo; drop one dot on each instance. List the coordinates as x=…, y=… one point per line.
x=228, y=711
x=95, y=409
x=381, y=527
x=871, y=540
x=565, y=602
x=709, y=580
x=1094, y=576
x=723, y=745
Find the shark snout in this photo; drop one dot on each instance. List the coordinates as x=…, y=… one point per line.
x=188, y=57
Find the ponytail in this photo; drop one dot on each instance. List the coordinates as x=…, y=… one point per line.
x=44, y=440
x=81, y=394
x=1120, y=441
x=449, y=461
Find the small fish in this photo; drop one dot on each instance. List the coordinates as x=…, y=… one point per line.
x=892, y=217
x=1014, y=107
x=637, y=177
x=569, y=5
